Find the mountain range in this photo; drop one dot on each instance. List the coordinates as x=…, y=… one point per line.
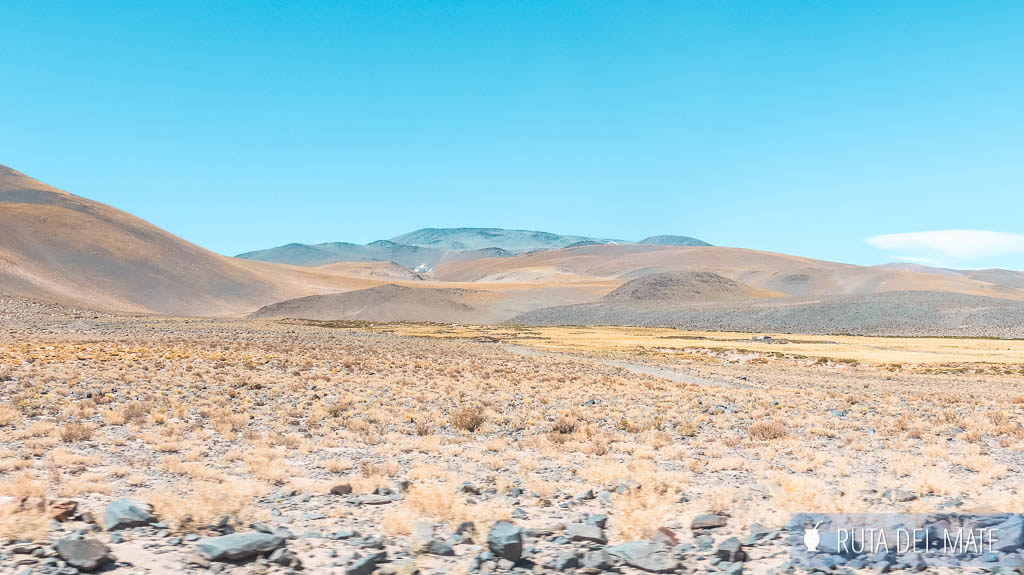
x=425, y=248
x=63, y=248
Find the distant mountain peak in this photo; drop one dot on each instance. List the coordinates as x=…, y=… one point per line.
x=674, y=241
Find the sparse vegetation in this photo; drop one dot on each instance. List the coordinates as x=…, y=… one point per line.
x=204, y=419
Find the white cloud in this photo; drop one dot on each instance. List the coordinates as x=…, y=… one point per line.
x=961, y=245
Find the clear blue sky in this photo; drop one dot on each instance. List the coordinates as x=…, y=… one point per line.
x=800, y=127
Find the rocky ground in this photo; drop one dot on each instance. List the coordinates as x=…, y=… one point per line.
x=151, y=445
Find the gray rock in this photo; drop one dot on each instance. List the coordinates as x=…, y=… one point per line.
x=584, y=532
x=645, y=555
x=285, y=558
x=915, y=562
x=598, y=559
x=731, y=550
x=83, y=554
x=342, y=489
x=237, y=546
x=366, y=564
x=898, y=495
x=374, y=499
x=421, y=536
x=1009, y=535
x=585, y=495
x=708, y=521
x=505, y=540
x=565, y=561
x=436, y=547
x=599, y=519
x=125, y=513
x=468, y=488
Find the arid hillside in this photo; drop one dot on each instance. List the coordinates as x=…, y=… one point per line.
x=790, y=275
x=64, y=248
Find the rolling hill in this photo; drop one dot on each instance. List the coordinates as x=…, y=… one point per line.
x=60, y=247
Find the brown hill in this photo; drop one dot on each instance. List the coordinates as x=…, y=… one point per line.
x=389, y=302
x=682, y=287
x=789, y=275
x=60, y=247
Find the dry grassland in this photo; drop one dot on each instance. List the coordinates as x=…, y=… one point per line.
x=257, y=421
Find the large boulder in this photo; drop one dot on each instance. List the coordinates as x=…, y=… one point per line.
x=505, y=540
x=125, y=513
x=84, y=554
x=646, y=556
x=238, y=546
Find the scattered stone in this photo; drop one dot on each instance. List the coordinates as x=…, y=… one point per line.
x=366, y=564
x=374, y=499
x=666, y=537
x=645, y=555
x=599, y=559
x=237, y=546
x=708, y=521
x=598, y=519
x=285, y=558
x=898, y=495
x=125, y=513
x=421, y=535
x=731, y=550
x=342, y=489
x=585, y=495
x=1009, y=535
x=585, y=532
x=84, y=554
x=435, y=547
x=469, y=488
x=565, y=561
x=505, y=540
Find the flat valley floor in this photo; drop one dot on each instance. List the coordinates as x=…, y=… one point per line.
x=586, y=438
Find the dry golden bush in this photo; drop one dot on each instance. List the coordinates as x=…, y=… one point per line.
x=9, y=415
x=77, y=431
x=201, y=504
x=768, y=430
x=423, y=428
x=640, y=512
x=468, y=418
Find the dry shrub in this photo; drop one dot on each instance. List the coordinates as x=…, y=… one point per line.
x=441, y=502
x=204, y=503
x=9, y=415
x=338, y=465
x=564, y=425
x=640, y=512
x=423, y=428
x=468, y=418
x=17, y=523
x=126, y=413
x=77, y=431
x=768, y=430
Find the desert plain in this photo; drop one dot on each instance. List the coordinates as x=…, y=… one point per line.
x=393, y=447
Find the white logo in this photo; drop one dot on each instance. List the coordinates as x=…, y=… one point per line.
x=811, y=538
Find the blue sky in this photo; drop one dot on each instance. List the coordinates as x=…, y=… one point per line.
x=797, y=127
